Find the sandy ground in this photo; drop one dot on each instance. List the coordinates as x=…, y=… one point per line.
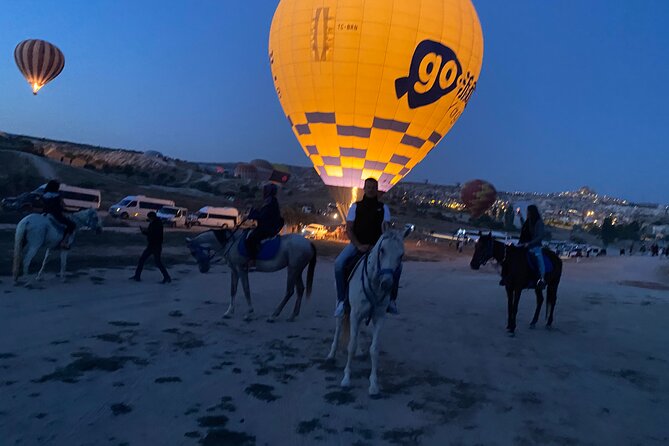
x=103, y=361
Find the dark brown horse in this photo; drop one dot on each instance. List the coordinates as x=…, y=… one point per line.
x=517, y=275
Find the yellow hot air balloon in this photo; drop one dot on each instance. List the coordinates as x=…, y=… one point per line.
x=371, y=86
x=39, y=61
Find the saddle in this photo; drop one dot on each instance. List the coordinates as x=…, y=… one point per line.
x=61, y=227
x=269, y=248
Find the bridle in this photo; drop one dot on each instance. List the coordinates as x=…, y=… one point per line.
x=369, y=287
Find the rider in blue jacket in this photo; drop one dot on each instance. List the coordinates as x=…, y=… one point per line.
x=269, y=221
x=532, y=234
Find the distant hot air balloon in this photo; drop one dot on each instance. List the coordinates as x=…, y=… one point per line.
x=39, y=61
x=478, y=196
x=371, y=86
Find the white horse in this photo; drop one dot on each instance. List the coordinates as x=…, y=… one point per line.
x=295, y=253
x=369, y=292
x=38, y=230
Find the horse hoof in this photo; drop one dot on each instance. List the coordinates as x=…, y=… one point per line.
x=271, y=320
x=291, y=319
x=330, y=358
x=373, y=390
x=549, y=326
x=345, y=383
x=533, y=325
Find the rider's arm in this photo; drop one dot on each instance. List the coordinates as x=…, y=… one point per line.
x=386, y=218
x=350, y=219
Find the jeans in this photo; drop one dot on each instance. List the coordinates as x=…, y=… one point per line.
x=540, y=260
x=340, y=263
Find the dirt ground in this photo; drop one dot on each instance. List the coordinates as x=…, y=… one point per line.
x=100, y=360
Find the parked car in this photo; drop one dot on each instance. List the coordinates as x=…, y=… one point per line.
x=173, y=216
x=315, y=231
x=26, y=202
x=217, y=217
x=74, y=199
x=137, y=207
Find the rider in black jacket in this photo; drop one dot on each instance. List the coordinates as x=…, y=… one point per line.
x=53, y=205
x=269, y=222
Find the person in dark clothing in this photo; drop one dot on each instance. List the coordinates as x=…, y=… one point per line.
x=53, y=205
x=269, y=222
x=532, y=234
x=366, y=221
x=154, y=247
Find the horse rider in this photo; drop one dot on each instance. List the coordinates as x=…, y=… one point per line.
x=154, y=247
x=366, y=221
x=532, y=234
x=269, y=222
x=53, y=205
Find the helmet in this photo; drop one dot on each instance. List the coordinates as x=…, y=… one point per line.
x=52, y=186
x=269, y=190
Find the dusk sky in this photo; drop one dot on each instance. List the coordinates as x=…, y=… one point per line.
x=571, y=93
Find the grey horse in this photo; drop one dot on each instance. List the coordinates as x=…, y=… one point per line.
x=295, y=253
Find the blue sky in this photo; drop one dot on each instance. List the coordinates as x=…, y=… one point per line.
x=572, y=92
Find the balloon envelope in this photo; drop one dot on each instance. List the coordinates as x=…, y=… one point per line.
x=39, y=61
x=478, y=196
x=370, y=87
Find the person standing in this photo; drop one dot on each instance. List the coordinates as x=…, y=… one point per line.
x=366, y=221
x=154, y=247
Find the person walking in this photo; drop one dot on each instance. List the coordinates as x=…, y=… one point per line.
x=154, y=247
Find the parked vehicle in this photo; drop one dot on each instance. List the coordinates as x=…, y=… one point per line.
x=137, y=207
x=314, y=231
x=74, y=199
x=173, y=216
x=217, y=217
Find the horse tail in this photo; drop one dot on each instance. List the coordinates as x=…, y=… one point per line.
x=310, y=270
x=19, y=243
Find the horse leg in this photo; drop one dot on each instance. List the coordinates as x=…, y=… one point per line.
x=244, y=276
x=234, y=280
x=551, y=300
x=299, y=286
x=514, y=312
x=30, y=253
x=540, y=301
x=509, y=311
x=290, y=287
x=352, y=344
x=374, y=354
x=63, y=264
x=41, y=270
x=335, y=340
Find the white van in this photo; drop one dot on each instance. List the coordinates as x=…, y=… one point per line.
x=173, y=216
x=137, y=207
x=217, y=217
x=315, y=231
x=76, y=198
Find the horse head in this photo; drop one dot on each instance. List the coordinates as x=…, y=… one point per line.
x=483, y=250
x=202, y=252
x=389, y=253
x=88, y=218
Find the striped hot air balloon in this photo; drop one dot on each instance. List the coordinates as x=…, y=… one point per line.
x=39, y=61
x=478, y=196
